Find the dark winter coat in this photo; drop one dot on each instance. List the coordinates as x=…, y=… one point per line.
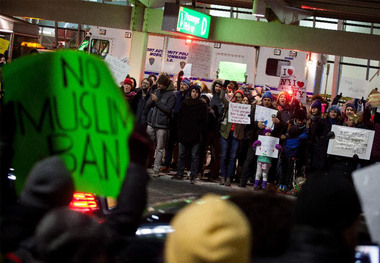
x=138, y=105
x=375, y=154
x=321, y=130
x=313, y=246
x=192, y=121
x=160, y=112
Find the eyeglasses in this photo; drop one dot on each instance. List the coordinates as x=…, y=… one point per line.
x=238, y=97
x=146, y=83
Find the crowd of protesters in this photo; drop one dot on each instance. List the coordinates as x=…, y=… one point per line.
x=320, y=225
x=190, y=128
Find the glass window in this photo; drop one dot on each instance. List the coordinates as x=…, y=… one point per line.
x=100, y=47
x=273, y=67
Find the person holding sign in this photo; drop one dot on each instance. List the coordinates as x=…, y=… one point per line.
x=257, y=129
x=127, y=87
x=160, y=105
x=263, y=163
x=231, y=134
x=294, y=149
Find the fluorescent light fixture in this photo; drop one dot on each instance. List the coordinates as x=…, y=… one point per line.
x=259, y=7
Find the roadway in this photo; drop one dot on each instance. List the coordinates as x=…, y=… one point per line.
x=163, y=188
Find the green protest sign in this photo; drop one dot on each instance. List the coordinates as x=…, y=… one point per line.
x=66, y=103
x=232, y=71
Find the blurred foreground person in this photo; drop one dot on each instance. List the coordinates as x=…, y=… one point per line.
x=49, y=185
x=270, y=236
x=67, y=236
x=209, y=230
x=326, y=222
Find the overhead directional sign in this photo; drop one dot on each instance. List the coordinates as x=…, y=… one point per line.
x=193, y=23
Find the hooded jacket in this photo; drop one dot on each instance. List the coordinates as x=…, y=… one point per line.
x=192, y=120
x=160, y=111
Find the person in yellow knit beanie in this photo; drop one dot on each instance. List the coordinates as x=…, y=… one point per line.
x=209, y=230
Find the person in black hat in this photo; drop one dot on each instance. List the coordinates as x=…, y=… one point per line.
x=192, y=124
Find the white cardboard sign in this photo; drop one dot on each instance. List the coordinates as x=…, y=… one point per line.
x=118, y=68
x=287, y=78
x=265, y=114
x=268, y=146
x=349, y=141
x=299, y=90
x=367, y=184
x=239, y=113
x=354, y=88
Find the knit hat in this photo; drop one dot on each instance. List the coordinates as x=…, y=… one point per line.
x=267, y=94
x=351, y=105
x=196, y=87
x=209, y=230
x=186, y=81
x=163, y=79
x=48, y=185
x=128, y=81
x=334, y=108
x=327, y=202
x=207, y=97
x=239, y=91
x=317, y=104
x=283, y=93
x=300, y=115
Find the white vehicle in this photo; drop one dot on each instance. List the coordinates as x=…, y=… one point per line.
x=103, y=41
x=203, y=60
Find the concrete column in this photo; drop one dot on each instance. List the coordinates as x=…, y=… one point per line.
x=138, y=55
x=336, y=73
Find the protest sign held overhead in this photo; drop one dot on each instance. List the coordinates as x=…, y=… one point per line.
x=265, y=115
x=71, y=107
x=287, y=78
x=118, y=68
x=349, y=141
x=299, y=90
x=239, y=113
x=268, y=146
x=353, y=88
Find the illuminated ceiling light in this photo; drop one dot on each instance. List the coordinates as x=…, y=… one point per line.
x=259, y=7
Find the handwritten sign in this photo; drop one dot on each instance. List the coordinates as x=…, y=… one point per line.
x=367, y=184
x=349, y=141
x=72, y=108
x=200, y=58
x=265, y=114
x=232, y=70
x=118, y=68
x=4, y=44
x=354, y=88
x=239, y=113
x=268, y=146
x=299, y=90
x=287, y=78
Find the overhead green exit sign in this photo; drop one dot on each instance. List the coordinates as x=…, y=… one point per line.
x=193, y=23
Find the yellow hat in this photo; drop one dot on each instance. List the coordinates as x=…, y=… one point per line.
x=209, y=230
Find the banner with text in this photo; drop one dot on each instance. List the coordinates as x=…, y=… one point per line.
x=354, y=88
x=71, y=108
x=268, y=146
x=349, y=141
x=239, y=113
x=265, y=115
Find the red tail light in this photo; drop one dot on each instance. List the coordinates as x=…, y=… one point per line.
x=84, y=202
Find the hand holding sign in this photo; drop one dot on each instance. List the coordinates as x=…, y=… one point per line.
x=74, y=110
